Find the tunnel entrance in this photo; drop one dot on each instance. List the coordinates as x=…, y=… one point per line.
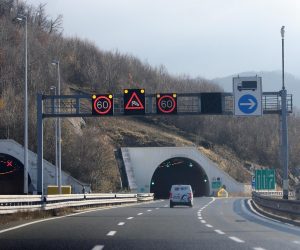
x=179, y=170
x=11, y=175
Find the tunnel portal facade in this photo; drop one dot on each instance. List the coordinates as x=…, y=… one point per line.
x=155, y=169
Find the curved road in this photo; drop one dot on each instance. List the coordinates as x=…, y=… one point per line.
x=210, y=224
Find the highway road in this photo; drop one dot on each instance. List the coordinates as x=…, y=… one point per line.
x=210, y=224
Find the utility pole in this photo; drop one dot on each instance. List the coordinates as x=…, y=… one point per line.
x=284, y=128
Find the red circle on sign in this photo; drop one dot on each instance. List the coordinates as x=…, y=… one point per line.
x=173, y=104
x=106, y=109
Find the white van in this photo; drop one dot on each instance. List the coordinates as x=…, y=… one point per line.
x=181, y=195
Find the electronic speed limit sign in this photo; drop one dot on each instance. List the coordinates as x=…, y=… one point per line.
x=166, y=103
x=102, y=105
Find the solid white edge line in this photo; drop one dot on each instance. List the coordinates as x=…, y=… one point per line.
x=236, y=239
x=98, y=247
x=261, y=215
x=111, y=233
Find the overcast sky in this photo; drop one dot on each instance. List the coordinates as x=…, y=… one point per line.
x=206, y=38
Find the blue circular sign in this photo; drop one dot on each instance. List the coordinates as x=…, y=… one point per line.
x=247, y=104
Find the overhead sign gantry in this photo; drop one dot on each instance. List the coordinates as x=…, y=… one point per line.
x=137, y=102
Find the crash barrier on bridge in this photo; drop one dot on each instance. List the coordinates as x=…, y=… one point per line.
x=290, y=208
x=21, y=203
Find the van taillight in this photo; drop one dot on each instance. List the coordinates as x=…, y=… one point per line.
x=170, y=195
x=190, y=195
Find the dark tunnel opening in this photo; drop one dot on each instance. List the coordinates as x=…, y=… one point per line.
x=11, y=175
x=179, y=170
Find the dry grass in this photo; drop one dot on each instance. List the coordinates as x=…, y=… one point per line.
x=7, y=219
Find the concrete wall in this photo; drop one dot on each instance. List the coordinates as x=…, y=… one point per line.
x=140, y=164
x=16, y=150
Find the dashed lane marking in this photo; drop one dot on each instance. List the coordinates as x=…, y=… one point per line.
x=258, y=248
x=236, y=239
x=157, y=208
x=121, y=223
x=130, y=218
x=296, y=242
x=200, y=218
x=219, y=231
x=208, y=225
x=98, y=247
x=139, y=213
x=149, y=210
x=111, y=233
x=203, y=221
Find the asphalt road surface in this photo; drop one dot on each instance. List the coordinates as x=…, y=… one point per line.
x=210, y=224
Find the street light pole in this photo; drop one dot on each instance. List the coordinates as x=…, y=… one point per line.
x=24, y=18
x=284, y=128
x=53, y=89
x=56, y=62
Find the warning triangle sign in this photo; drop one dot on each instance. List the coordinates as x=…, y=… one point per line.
x=134, y=103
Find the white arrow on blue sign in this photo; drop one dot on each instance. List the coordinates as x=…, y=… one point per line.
x=247, y=104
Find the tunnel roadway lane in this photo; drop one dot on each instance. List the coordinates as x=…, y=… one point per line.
x=210, y=224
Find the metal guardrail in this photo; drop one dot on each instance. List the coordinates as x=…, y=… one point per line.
x=274, y=193
x=288, y=207
x=23, y=203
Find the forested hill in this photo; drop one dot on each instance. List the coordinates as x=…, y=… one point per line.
x=87, y=67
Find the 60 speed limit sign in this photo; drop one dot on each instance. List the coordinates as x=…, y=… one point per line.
x=166, y=103
x=102, y=105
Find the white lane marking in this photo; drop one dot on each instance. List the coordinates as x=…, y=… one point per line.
x=149, y=210
x=219, y=231
x=140, y=213
x=68, y=215
x=129, y=218
x=157, y=208
x=208, y=225
x=236, y=239
x=296, y=242
x=111, y=233
x=258, y=248
x=121, y=223
x=200, y=218
x=98, y=247
x=203, y=221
